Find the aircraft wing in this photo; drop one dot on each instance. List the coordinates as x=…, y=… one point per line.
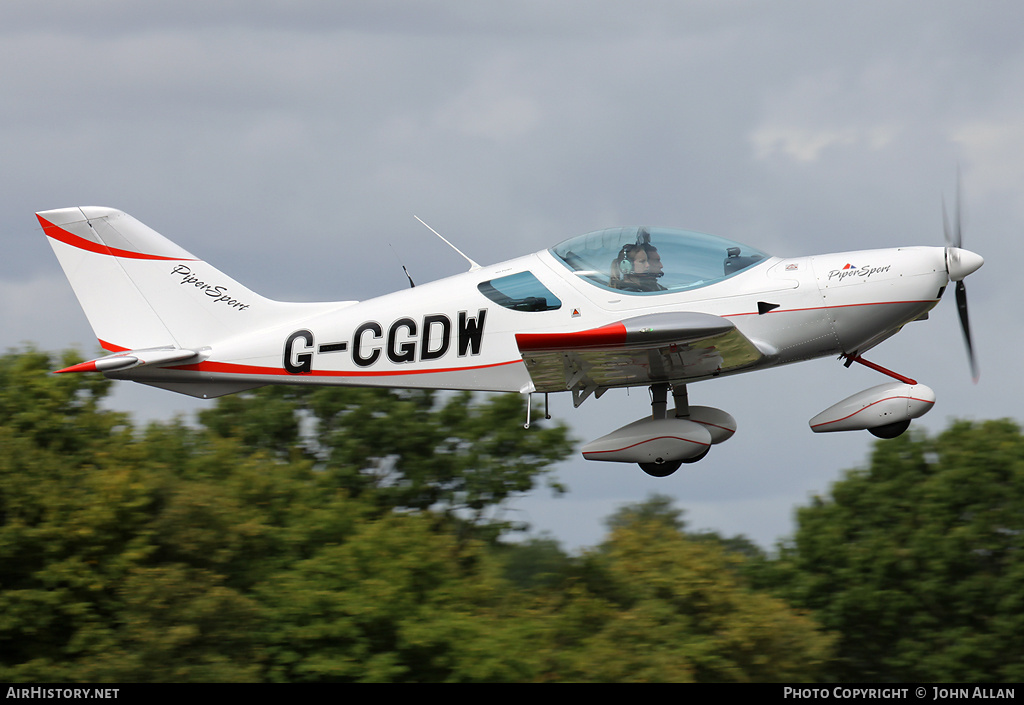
x=653, y=348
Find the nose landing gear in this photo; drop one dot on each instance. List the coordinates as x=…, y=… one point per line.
x=885, y=411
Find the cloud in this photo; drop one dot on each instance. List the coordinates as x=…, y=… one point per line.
x=290, y=144
x=993, y=150
x=488, y=111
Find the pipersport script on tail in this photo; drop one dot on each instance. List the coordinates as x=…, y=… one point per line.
x=215, y=291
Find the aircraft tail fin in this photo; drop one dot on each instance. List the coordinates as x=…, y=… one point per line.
x=139, y=290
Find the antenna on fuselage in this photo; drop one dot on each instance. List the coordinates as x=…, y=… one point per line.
x=412, y=284
x=473, y=265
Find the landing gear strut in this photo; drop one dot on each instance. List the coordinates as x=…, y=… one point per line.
x=659, y=410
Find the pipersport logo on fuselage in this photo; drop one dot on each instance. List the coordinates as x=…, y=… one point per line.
x=864, y=272
x=406, y=340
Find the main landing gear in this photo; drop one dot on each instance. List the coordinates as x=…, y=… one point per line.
x=661, y=443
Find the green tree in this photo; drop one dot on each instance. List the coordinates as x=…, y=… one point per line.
x=399, y=601
x=241, y=553
x=341, y=535
x=656, y=604
x=536, y=563
x=55, y=574
x=60, y=413
x=89, y=590
x=917, y=561
x=410, y=449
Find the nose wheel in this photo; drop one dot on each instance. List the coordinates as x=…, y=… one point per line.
x=892, y=430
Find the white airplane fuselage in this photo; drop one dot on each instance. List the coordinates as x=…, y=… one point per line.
x=447, y=335
x=621, y=307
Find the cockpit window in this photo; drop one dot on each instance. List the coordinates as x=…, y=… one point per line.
x=520, y=292
x=654, y=260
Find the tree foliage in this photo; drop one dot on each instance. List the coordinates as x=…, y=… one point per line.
x=409, y=449
x=671, y=606
x=917, y=562
x=345, y=536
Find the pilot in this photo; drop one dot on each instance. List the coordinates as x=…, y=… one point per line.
x=637, y=267
x=655, y=270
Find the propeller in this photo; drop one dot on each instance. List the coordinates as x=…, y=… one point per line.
x=959, y=264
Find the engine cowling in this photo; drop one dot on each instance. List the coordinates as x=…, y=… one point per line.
x=892, y=405
x=651, y=441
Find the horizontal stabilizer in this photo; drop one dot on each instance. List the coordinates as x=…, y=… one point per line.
x=156, y=357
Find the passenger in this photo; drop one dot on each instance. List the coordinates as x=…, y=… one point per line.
x=637, y=268
x=631, y=260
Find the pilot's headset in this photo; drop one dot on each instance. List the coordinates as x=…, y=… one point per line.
x=625, y=264
x=622, y=260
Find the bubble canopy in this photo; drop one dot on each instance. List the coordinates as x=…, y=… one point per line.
x=643, y=260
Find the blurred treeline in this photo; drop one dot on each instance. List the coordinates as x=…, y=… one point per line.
x=341, y=535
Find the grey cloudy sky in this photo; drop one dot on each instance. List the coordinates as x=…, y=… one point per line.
x=286, y=142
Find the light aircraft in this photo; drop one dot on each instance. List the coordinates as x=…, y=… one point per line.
x=653, y=307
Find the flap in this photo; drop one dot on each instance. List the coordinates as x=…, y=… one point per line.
x=654, y=348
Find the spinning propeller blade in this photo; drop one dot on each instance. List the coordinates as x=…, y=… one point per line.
x=961, y=307
x=960, y=263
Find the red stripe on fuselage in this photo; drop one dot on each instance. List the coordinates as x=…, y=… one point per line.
x=828, y=308
x=236, y=369
x=612, y=335
x=110, y=347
